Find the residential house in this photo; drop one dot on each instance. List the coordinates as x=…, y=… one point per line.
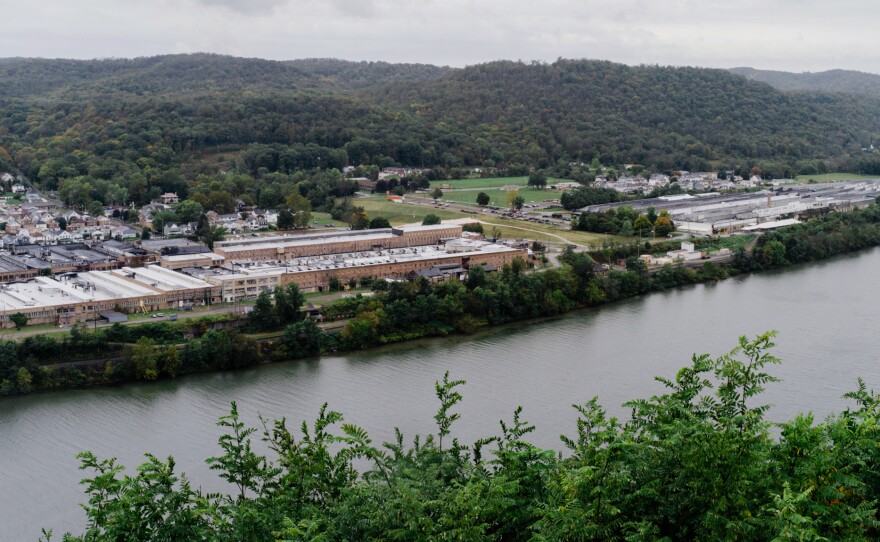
x=169, y=198
x=176, y=230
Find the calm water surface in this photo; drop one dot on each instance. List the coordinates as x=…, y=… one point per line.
x=826, y=313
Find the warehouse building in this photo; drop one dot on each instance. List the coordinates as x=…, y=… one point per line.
x=245, y=280
x=82, y=296
x=285, y=247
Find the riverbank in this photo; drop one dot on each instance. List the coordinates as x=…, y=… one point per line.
x=398, y=312
x=611, y=351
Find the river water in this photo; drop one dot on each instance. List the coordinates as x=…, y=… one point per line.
x=826, y=313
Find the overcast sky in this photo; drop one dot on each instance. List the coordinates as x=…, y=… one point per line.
x=793, y=35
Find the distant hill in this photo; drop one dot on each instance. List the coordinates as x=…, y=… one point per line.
x=846, y=81
x=132, y=121
x=146, y=76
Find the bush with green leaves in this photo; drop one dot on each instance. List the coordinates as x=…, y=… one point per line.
x=699, y=461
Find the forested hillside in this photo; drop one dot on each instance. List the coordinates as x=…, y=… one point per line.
x=846, y=81
x=135, y=128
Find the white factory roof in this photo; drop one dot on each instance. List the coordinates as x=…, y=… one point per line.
x=188, y=257
x=163, y=279
x=274, y=243
x=772, y=225
x=356, y=259
x=94, y=286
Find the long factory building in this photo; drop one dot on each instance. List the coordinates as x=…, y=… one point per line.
x=84, y=295
x=285, y=247
x=713, y=213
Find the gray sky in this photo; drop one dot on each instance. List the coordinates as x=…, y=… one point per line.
x=793, y=35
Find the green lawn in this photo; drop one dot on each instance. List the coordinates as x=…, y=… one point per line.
x=404, y=213
x=323, y=219
x=499, y=197
x=830, y=177
x=401, y=213
x=482, y=183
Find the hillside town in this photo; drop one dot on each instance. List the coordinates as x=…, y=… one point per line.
x=60, y=266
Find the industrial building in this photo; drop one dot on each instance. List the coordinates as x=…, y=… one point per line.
x=245, y=280
x=285, y=247
x=714, y=213
x=81, y=296
x=204, y=278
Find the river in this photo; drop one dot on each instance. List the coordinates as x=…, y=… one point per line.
x=826, y=313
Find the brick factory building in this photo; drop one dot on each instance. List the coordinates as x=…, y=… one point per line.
x=285, y=247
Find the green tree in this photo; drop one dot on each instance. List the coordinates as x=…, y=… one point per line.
x=538, y=179
x=288, y=302
x=24, y=381
x=170, y=362
x=379, y=222
x=512, y=196
x=302, y=339
x=359, y=220
x=773, y=254
x=189, y=211
x=144, y=357
x=430, y=220
x=642, y=225
x=162, y=219
x=663, y=226
x=263, y=317
x=301, y=209
x=518, y=202
x=285, y=220
x=483, y=199
x=18, y=319
x=436, y=194
x=214, y=235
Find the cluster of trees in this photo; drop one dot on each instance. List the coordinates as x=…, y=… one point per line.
x=584, y=196
x=820, y=238
x=625, y=221
x=699, y=461
x=277, y=308
x=120, y=353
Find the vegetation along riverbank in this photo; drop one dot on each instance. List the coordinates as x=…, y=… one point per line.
x=275, y=330
x=699, y=461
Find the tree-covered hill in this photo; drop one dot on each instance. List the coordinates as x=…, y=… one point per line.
x=181, y=121
x=662, y=116
x=348, y=75
x=846, y=81
x=146, y=76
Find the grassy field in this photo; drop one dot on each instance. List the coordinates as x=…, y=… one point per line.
x=479, y=184
x=483, y=183
x=499, y=197
x=403, y=213
x=322, y=219
x=829, y=177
